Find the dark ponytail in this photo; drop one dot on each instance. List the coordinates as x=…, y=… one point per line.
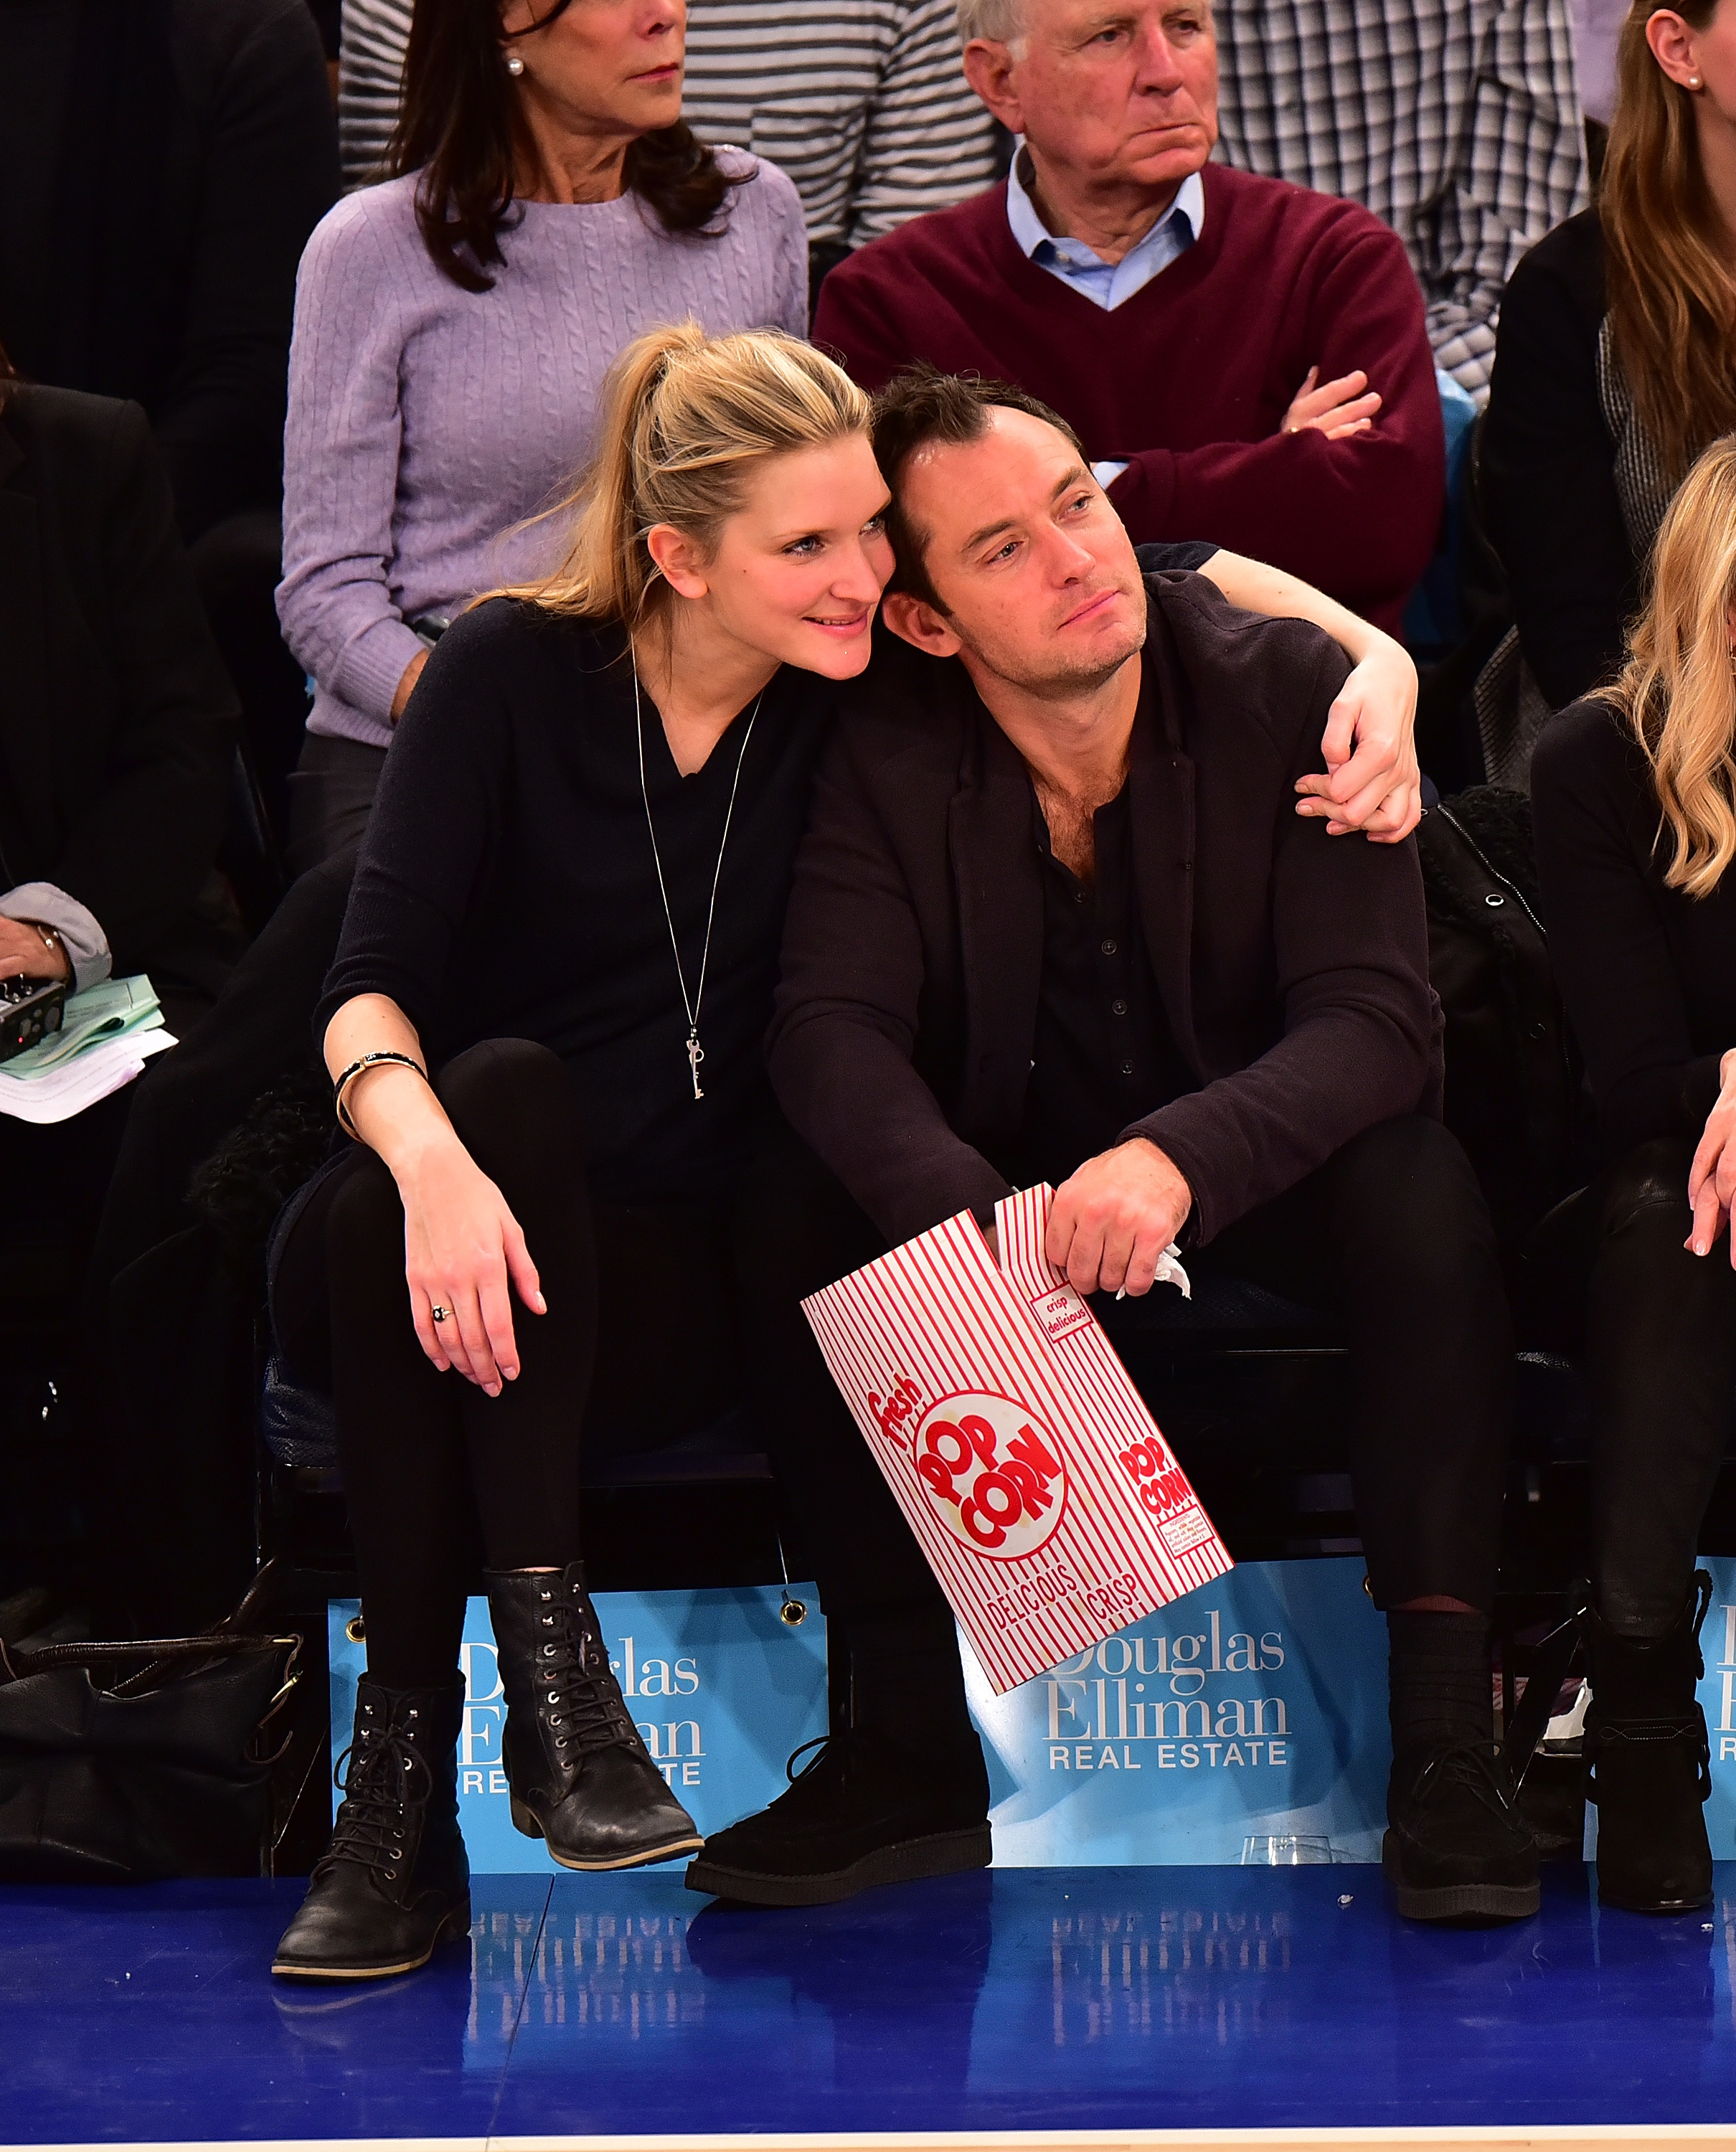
x=461, y=128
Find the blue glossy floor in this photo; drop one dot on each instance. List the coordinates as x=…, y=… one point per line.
x=1085, y=2006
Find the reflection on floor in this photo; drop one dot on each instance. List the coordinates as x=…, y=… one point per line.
x=1023, y=2000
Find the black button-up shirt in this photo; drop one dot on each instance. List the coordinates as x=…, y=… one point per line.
x=1105, y=1054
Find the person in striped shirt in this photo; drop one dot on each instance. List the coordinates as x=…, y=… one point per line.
x=862, y=102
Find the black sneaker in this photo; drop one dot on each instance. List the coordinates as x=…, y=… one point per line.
x=862, y=1813
x=1456, y=1848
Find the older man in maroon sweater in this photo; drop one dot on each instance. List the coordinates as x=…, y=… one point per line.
x=1245, y=360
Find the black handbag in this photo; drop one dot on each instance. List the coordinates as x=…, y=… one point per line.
x=130, y=1763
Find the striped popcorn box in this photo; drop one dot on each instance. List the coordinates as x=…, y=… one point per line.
x=1050, y=1508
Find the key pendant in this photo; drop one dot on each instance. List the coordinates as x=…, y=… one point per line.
x=696, y=1055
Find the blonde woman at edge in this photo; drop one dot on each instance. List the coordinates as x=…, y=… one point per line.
x=1635, y=797
x=570, y=1197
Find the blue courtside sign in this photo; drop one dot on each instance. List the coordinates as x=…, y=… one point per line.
x=1252, y=1710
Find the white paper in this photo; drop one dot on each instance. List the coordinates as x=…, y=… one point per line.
x=60, y=1093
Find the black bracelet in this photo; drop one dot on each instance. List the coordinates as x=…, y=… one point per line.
x=359, y=1067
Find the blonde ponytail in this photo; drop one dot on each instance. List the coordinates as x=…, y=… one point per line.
x=685, y=418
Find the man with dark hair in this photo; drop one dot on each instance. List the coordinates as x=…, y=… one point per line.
x=1243, y=360
x=1056, y=919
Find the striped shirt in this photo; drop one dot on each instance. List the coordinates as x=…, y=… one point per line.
x=1456, y=121
x=862, y=102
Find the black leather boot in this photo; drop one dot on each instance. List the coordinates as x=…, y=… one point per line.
x=582, y=1778
x=1648, y=1763
x=864, y=1812
x=395, y=1883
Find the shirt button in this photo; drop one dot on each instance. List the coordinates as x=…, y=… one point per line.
x=1126, y=1068
x=1079, y=896
x=1108, y=948
x=1119, y=1008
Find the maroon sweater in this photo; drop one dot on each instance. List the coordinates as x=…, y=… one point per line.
x=1190, y=380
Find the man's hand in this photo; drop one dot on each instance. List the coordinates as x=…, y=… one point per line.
x=1372, y=782
x=1336, y=408
x=1712, y=1178
x=22, y=951
x=1112, y=1220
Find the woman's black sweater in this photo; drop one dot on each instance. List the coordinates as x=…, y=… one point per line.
x=1547, y=465
x=1648, y=974
x=507, y=888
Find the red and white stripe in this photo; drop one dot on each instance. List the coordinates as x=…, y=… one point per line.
x=939, y=1313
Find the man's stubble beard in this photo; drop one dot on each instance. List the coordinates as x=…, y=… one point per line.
x=1070, y=683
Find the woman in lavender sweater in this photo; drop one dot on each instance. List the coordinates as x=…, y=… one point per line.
x=453, y=327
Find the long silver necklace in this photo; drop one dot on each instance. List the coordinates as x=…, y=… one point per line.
x=690, y=1002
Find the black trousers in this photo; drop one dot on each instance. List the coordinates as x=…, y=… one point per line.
x=1655, y=1329
x=659, y=1319
x=1391, y=1237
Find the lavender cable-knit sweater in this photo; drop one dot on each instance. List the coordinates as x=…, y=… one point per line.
x=425, y=422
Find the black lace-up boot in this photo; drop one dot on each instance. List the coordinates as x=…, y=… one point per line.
x=1456, y=1848
x=898, y=1791
x=580, y=1777
x=395, y=1883
x=1648, y=1763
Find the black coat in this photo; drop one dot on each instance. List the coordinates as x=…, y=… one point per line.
x=1293, y=967
x=1549, y=468
x=163, y=183
x=116, y=716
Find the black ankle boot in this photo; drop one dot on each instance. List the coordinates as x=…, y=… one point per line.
x=1648, y=1763
x=899, y=1790
x=864, y=1812
x=395, y=1883
x=1456, y=1847
x=582, y=1778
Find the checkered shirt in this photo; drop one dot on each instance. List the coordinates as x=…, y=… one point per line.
x=1456, y=121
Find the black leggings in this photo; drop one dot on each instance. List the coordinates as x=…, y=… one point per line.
x=1391, y=1237
x=660, y=1318
x=1656, y=1329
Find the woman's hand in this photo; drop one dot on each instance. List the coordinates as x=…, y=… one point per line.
x=1372, y=782
x=25, y=953
x=463, y=1252
x=406, y=687
x=1712, y=1178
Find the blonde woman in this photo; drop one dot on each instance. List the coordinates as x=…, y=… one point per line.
x=1615, y=356
x=1635, y=797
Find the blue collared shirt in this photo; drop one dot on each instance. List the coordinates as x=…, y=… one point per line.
x=1106, y=284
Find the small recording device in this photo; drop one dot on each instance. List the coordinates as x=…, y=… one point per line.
x=30, y=1010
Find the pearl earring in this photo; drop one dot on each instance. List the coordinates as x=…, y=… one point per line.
x=1693, y=82
x=514, y=65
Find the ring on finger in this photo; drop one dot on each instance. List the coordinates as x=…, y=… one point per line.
x=438, y=1313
